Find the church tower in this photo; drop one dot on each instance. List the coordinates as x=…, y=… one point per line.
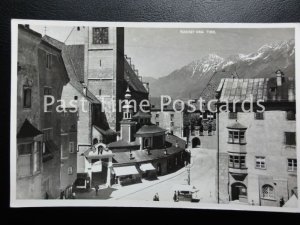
x=103, y=67
x=128, y=127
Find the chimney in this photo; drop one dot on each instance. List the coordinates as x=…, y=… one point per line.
x=279, y=77
x=27, y=26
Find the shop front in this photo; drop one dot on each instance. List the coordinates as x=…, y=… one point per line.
x=126, y=175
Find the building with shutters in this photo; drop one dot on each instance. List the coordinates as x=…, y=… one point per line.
x=257, y=150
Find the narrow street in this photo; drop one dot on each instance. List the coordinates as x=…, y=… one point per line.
x=202, y=177
x=202, y=174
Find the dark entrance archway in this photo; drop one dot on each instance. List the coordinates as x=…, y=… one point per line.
x=238, y=190
x=196, y=142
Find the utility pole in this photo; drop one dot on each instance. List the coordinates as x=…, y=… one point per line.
x=189, y=174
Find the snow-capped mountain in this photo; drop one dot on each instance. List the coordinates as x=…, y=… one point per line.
x=200, y=77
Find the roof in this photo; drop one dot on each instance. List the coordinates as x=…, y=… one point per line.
x=24, y=27
x=132, y=79
x=121, y=144
x=150, y=129
x=108, y=132
x=231, y=89
x=237, y=126
x=74, y=65
x=28, y=130
x=174, y=139
x=143, y=156
x=141, y=114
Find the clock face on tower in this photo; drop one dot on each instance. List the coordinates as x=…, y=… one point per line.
x=100, y=35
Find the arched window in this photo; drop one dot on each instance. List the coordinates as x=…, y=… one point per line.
x=268, y=191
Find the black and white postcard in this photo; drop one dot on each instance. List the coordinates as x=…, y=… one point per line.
x=180, y=115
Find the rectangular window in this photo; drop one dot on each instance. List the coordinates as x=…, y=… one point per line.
x=171, y=117
x=48, y=92
x=290, y=138
x=172, y=124
x=292, y=165
x=71, y=147
x=291, y=115
x=48, y=61
x=24, y=159
x=100, y=35
x=157, y=123
x=236, y=137
x=99, y=91
x=70, y=170
x=48, y=134
x=232, y=115
x=259, y=115
x=100, y=63
x=237, y=161
x=26, y=97
x=157, y=115
x=260, y=162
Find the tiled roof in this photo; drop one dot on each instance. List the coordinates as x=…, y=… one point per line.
x=231, y=89
x=121, y=144
x=74, y=67
x=142, y=156
x=172, y=139
x=28, y=130
x=150, y=129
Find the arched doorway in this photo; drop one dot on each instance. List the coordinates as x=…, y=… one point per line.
x=195, y=142
x=238, y=190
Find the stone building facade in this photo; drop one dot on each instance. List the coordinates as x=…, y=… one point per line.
x=41, y=73
x=257, y=155
x=106, y=71
x=29, y=137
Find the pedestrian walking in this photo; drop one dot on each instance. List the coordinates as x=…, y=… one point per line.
x=175, y=197
x=156, y=197
x=96, y=189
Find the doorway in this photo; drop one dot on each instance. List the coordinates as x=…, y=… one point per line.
x=195, y=142
x=238, y=190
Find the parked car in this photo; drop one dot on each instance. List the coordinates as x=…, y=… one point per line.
x=187, y=193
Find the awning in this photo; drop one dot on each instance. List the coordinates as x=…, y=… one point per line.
x=147, y=166
x=125, y=170
x=28, y=130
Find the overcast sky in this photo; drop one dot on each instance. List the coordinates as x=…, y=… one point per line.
x=157, y=52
